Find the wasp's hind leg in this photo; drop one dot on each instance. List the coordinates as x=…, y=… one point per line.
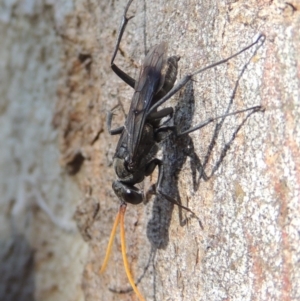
x=124, y=76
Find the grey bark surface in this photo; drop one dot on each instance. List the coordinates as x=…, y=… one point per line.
x=41, y=251
x=57, y=86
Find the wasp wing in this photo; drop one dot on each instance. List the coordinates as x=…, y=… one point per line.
x=146, y=87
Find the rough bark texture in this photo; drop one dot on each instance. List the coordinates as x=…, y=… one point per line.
x=240, y=176
x=41, y=252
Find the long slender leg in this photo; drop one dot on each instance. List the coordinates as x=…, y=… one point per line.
x=124, y=76
x=158, y=190
x=188, y=77
x=209, y=120
x=116, y=131
x=204, y=123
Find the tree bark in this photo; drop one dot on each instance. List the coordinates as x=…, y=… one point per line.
x=240, y=175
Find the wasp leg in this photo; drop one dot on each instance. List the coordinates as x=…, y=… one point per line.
x=116, y=131
x=209, y=120
x=160, y=114
x=124, y=76
x=151, y=166
x=159, y=192
x=188, y=77
x=173, y=128
x=155, y=118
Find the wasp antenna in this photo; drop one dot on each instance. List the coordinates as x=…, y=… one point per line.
x=111, y=240
x=123, y=245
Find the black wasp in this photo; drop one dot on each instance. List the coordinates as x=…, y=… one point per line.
x=135, y=156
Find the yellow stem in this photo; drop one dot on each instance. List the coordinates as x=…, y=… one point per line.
x=111, y=240
x=123, y=245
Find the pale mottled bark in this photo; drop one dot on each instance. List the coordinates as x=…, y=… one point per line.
x=42, y=254
x=247, y=246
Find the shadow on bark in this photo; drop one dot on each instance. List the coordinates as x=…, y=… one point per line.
x=176, y=151
x=16, y=270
